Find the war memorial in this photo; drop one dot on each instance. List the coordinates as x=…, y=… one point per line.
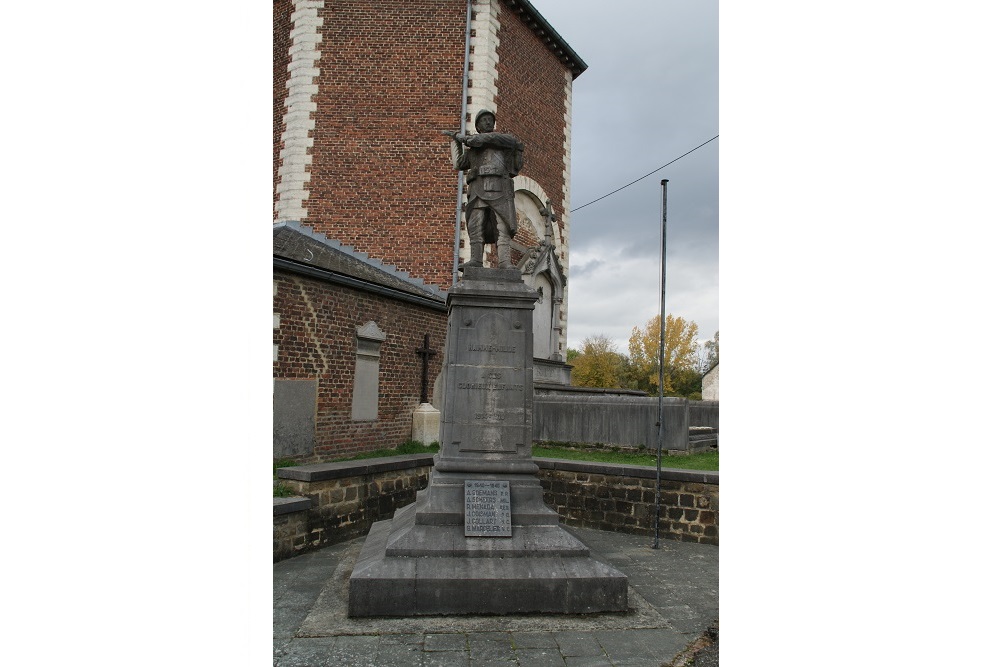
x=480, y=539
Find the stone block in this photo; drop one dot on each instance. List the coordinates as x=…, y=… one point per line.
x=426, y=424
x=383, y=586
x=294, y=417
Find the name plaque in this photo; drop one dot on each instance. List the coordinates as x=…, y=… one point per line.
x=487, y=508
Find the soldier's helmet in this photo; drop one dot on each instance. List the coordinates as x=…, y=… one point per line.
x=483, y=112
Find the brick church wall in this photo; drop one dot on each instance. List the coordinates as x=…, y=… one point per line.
x=531, y=104
x=381, y=179
x=316, y=339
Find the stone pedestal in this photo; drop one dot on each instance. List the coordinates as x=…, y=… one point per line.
x=422, y=562
x=426, y=424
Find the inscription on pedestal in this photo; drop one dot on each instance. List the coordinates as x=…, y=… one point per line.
x=487, y=508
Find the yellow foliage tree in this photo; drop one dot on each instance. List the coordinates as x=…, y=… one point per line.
x=680, y=352
x=599, y=364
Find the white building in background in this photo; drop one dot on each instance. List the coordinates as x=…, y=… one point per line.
x=710, y=385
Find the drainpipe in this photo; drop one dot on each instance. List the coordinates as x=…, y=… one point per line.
x=461, y=174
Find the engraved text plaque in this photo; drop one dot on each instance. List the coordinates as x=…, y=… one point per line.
x=487, y=508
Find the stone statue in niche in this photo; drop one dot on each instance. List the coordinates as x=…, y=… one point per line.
x=490, y=161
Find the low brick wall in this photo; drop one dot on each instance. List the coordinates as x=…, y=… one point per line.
x=345, y=499
x=340, y=501
x=622, y=498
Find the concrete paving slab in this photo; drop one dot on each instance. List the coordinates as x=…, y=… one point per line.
x=507, y=660
x=575, y=644
x=540, y=657
x=402, y=640
x=647, y=646
x=491, y=647
x=588, y=661
x=356, y=653
x=490, y=638
x=399, y=654
x=446, y=659
x=533, y=640
x=449, y=642
x=313, y=652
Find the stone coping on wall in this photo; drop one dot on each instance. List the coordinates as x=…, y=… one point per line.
x=550, y=388
x=315, y=472
x=292, y=504
x=622, y=470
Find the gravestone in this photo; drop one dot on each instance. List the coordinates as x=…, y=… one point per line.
x=294, y=417
x=511, y=556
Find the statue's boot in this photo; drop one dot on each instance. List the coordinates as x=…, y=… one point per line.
x=477, y=256
x=503, y=249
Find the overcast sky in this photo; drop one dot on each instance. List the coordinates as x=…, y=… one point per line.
x=649, y=95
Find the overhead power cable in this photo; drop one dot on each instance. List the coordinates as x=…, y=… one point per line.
x=642, y=177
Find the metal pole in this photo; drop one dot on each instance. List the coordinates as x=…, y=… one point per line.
x=663, y=324
x=461, y=128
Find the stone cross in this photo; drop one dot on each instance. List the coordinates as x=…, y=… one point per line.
x=426, y=353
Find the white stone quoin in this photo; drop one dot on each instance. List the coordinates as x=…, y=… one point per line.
x=295, y=154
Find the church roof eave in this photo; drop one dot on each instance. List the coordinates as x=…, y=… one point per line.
x=298, y=248
x=552, y=39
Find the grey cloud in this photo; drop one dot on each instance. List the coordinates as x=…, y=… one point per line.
x=649, y=96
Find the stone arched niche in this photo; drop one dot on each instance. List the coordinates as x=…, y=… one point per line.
x=536, y=253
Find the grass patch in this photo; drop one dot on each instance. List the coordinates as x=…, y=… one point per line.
x=408, y=447
x=282, y=490
x=700, y=461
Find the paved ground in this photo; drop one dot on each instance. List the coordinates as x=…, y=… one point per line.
x=673, y=600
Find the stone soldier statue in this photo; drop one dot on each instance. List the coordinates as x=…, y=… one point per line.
x=490, y=160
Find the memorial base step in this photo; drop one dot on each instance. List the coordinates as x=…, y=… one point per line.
x=548, y=571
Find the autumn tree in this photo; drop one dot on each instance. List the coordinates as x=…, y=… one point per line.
x=598, y=363
x=711, y=353
x=680, y=355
